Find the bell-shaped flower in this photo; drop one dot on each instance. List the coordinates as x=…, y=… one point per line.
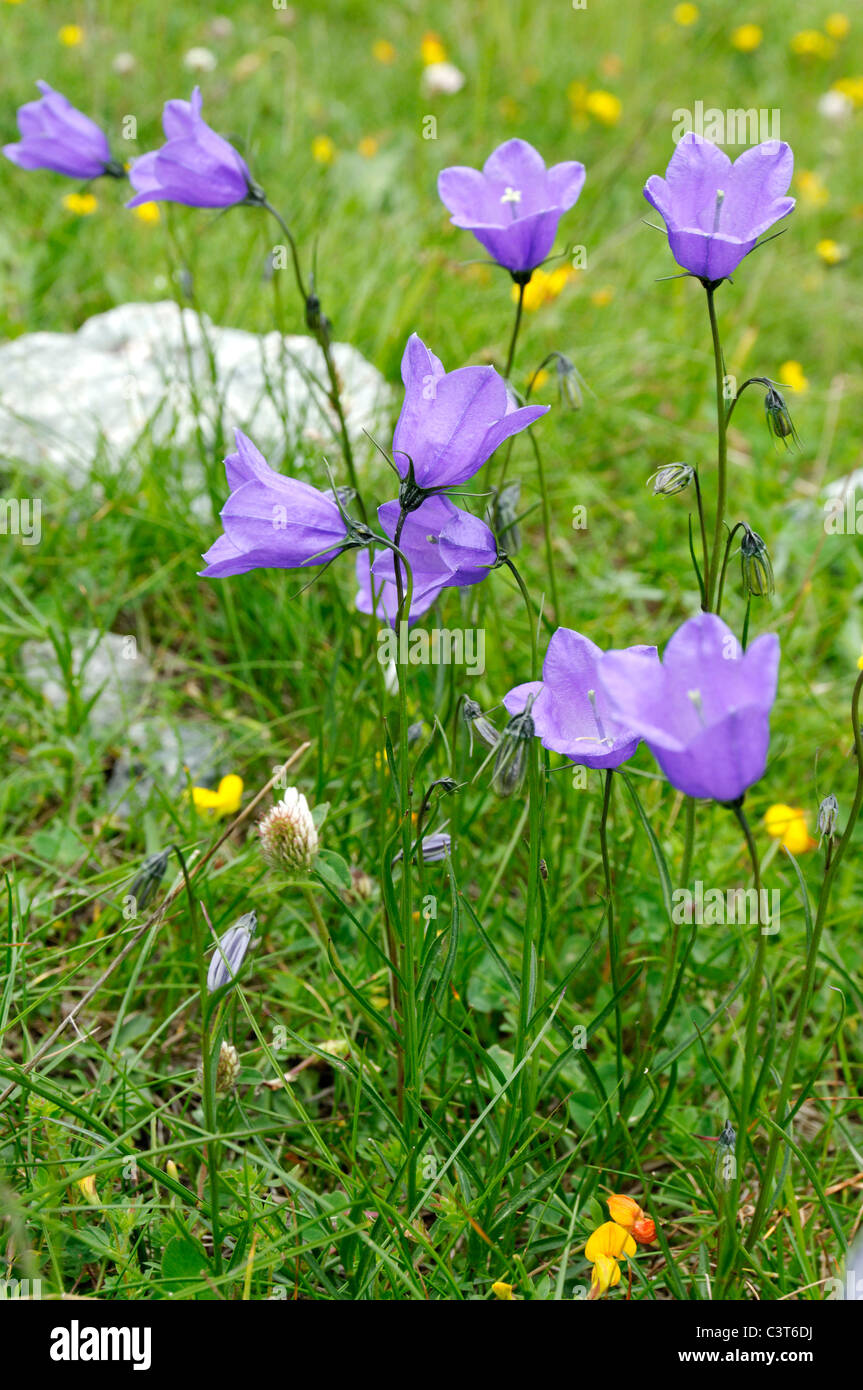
x=444, y=546
x=514, y=204
x=704, y=710
x=270, y=521
x=571, y=712
x=195, y=166
x=56, y=136
x=714, y=210
x=451, y=422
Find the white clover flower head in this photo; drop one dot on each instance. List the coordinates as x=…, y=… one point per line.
x=835, y=106
x=200, y=60
x=227, y=1069
x=124, y=63
x=442, y=79
x=289, y=837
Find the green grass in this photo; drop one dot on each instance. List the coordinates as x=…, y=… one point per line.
x=316, y=1197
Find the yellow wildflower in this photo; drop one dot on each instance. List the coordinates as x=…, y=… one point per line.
x=791, y=374
x=539, y=380
x=544, y=286
x=605, y=106
x=838, y=26
x=323, y=149
x=384, y=52
x=830, y=252
x=368, y=147
x=432, y=50
x=812, y=188
x=82, y=204
x=88, y=1188
x=788, y=824
x=225, y=801
x=608, y=1244
x=602, y=297
x=850, y=87
x=811, y=43
x=148, y=212
x=71, y=35
x=503, y=1291
x=860, y=663
x=747, y=37
x=685, y=15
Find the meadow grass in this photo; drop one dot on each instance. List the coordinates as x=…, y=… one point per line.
x=121, y=1180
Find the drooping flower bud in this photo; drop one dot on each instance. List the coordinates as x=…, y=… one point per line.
x=827, y=813
x=502, y=517
x=779, y=421
x=568, y=382
x=478, y=724
x=436, y=847
x=671, y=478
x=510, y=764
x=231, y=951
x=148, y=878
x=289, y=837
x=755, y=566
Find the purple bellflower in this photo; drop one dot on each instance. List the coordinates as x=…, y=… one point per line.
x=514, y=205
x=272, y=522
x=444, y=546
x=571, y=712
x=56, y=136
x=714, y=210
x=704, y=710
x=451, y=422
x=195, y=166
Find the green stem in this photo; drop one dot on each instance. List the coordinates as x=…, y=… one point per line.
x=320, y=328
x=703, y=525
x=722, y=448
x=609, y=909
x=546, y=522
x=802, y=1010
x=510, y=358
x=728, y=1256
x=412, y=1080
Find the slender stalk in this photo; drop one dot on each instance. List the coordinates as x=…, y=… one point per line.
x=317, y=322
x=510, y=357
x=703, y=526
x=546, y=522
x=409, y=1013
x=685, y=866
x=609, y=909
x=722, y=448
x=802, y=1011
x=728, y=1255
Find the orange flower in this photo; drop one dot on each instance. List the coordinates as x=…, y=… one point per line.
x=623, y=1210
x=644, y=1230
x=627, y=1213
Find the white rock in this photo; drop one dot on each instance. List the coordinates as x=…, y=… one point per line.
x=145, y=368
x=107, y=668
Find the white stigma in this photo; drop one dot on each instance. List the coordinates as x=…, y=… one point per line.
x=511, y=195
x=720, y=199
